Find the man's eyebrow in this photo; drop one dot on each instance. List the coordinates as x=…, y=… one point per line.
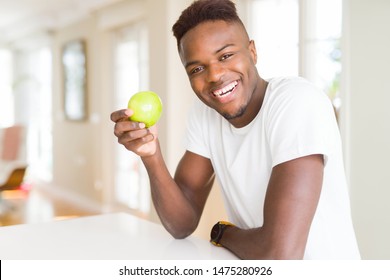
x=224, y=47
x=217, y=51
x=191, y=63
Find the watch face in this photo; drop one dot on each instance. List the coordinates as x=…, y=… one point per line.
x=214, y=232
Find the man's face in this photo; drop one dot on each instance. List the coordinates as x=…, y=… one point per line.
x=220, y=62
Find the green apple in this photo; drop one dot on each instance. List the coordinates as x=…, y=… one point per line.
x=147, y=107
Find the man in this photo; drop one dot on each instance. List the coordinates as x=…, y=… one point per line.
x=273, y=145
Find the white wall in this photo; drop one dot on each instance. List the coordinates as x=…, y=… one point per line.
x=367, y=121
x=75, y=144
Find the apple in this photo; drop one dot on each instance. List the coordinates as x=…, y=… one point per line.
x=147, y=107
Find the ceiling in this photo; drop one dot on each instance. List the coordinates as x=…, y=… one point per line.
x=20, y=18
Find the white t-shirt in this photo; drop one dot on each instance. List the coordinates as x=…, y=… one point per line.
x=295, y=120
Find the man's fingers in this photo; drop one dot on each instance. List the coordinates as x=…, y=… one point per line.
x=132, y=135
x=136, y=145
x=121, y=115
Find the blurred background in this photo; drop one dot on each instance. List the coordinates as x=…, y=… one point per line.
x=65, y=65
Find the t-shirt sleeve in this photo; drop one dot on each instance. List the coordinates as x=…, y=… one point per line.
x=196, y=131
x=301, y=122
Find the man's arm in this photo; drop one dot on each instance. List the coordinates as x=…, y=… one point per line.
x=290, y=203
x=179, y=201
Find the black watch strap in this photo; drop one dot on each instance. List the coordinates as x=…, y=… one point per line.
x=217, y=232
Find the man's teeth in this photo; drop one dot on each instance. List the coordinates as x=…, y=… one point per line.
x=226, y=89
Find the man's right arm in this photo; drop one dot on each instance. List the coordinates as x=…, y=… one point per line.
x=179, y=201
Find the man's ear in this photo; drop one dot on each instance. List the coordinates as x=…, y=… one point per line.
x=252, y=49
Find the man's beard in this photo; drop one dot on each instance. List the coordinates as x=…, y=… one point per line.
x=238, y=114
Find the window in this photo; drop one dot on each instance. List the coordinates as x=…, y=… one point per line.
x=32, y=97
x=131, y=68
x=275, y=28
x=42, y=127
x=6, y=98
x=25, y=98
x=299, y=37
x=320, y=40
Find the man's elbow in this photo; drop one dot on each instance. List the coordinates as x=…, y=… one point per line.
x=180, y=232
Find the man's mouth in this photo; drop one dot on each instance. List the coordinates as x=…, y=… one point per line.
x=226, y=90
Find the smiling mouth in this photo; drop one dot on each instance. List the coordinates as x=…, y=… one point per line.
x=226, y=90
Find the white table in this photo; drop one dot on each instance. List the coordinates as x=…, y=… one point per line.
x=115, y=236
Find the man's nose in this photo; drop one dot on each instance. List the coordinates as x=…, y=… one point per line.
x=215, y=72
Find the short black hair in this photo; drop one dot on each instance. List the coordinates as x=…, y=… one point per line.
x=204, y=10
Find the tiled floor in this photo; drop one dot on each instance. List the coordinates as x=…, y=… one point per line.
x=36, y=205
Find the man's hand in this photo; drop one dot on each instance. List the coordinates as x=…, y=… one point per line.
x=133, y=135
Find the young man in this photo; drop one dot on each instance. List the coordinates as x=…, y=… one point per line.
x=273, y=145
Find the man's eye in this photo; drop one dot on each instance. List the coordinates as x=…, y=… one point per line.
x=196, y=70
x=226, y=56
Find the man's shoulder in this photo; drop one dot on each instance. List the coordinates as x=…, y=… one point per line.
x=288, y=82
x=293, y=88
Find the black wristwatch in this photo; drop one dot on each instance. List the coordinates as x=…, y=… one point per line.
x=217, y=232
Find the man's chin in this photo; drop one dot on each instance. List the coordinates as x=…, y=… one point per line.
x=231, y=116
